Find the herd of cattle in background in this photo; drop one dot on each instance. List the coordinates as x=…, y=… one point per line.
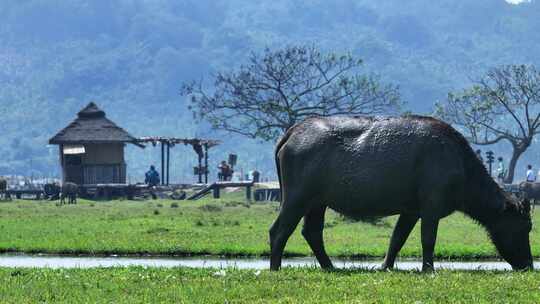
x=54, y=191
x=48, y=191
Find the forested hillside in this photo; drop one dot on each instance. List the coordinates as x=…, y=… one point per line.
x=131, y=57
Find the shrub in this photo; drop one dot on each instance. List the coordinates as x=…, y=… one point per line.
x=330, y=224
x=231, y=223
x=174, y=205
x=372, y=220
x=156, y=212
x=232, y=204
x=211, y=208
x=157, y=230
x=236, y=204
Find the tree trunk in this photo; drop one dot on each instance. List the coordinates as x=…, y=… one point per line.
x=516, y=153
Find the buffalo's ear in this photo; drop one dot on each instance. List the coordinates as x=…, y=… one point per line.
x=512, y=206
x=526, y=206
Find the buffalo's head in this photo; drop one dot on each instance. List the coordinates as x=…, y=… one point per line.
x=510, y=234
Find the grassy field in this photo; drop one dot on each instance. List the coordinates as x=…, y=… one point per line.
x=182, y=285
x=227, y=226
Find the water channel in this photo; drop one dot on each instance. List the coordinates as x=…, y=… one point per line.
x=51, y=261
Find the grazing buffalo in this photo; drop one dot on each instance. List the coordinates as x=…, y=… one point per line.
x=530, y=191
x=69, y=190
x=414, y=166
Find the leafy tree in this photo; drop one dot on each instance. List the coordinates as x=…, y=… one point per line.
x=504, y=105
x=265, y=97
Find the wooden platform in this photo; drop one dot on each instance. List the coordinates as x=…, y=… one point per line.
x=267, y=194
x=130, y=191
x=37, y=193
x=217, y=186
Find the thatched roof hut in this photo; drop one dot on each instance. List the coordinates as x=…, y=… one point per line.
x=92, y=148
x=91, y=126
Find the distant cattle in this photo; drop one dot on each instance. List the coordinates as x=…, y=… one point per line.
x=3, y=189
x=69, y=190
x=530, y=191
x=52, y=191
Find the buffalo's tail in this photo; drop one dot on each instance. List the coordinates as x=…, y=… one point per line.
x=279, y=145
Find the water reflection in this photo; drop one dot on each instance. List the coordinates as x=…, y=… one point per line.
x=47, y=261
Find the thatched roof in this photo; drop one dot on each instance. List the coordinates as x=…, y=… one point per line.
x=91, y=126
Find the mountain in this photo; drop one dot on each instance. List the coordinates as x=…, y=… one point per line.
x=131, y=57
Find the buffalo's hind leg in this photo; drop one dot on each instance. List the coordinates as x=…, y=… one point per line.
x=313, y=233
x=281, y=230
x=428, y=236
x=403, y=228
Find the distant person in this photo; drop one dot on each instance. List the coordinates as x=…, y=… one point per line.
x=501, y=170
x=229, y=173
x=151, y=177
x=479, y=155
x=531, y=176
x=256, y=176
x=224, y=171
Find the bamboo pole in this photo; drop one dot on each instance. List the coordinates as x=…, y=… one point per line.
x=168, y=158
x=206, y=163
x=162, y=163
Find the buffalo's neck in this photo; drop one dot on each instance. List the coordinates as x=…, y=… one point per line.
x=484, y=202
x=485, y=217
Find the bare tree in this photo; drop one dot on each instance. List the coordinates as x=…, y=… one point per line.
x=504, y=105
x=273, y=91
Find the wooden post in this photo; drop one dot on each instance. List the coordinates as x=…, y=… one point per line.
x=162, y=163
x=62, y=168
x=107, y=193
x=216, y=191
x=200, y=167
x=206, y=163
x=168, y=157
x=248, y=193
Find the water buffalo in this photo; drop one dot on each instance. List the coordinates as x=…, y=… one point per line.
x=52, y=191
x=414, y=166
x=530, y=191
x=69, y=190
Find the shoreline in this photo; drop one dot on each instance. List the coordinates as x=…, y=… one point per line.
x=108, y=254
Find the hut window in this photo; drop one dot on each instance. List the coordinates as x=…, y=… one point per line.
x=71, y=150
x=73, y=160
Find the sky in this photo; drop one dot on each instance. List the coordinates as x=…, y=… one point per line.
x=517, y=1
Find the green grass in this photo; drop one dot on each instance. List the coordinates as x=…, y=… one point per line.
x=221, y=227
x=308, y=285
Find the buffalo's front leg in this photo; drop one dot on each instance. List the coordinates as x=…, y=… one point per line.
x=429, y=236
x=403, y=228
x=313, y=233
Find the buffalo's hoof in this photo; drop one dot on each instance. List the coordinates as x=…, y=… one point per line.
x=387, y=266
x=428, y=268
x=328, y=268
